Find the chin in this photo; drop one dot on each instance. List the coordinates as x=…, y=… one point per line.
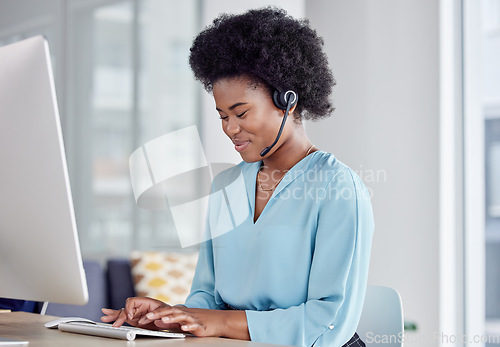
x=250, y=157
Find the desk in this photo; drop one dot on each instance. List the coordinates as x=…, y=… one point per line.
x=30, y=326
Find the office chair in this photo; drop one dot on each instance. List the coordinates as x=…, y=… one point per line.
x=381, y=323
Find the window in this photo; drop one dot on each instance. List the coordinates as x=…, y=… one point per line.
x=482, y=166
x=123, y=79
x=130, y=82
x=490, y=85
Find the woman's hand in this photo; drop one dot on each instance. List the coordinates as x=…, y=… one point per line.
x=197, y=321
x=154, y=314
x=203, y=322
x=136, y=313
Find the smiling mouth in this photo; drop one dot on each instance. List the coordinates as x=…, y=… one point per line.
x=240, y=145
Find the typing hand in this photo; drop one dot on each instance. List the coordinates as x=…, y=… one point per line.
x=136, y=312
x=197, y=321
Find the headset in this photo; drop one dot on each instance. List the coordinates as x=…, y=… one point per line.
x=284, y=101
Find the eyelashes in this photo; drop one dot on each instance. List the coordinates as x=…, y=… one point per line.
x=238, y=115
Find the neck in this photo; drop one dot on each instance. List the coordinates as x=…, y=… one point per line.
x=289, y=153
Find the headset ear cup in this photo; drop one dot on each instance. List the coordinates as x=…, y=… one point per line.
x=278, y=100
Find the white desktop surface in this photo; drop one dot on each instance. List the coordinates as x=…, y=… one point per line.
x=30, y=327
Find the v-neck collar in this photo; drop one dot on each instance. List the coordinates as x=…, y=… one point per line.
x=251, y=177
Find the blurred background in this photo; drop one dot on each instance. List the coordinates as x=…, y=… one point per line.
x=417, y=117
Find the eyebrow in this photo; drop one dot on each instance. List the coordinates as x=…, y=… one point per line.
x=233, y=106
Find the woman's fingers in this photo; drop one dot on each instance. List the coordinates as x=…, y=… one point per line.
x=160, y=312
x=147, y=311
x=169, y=318
x=190, y=327
x=130, y=307
x=178, y=316
x=110, y=312
x=147, y=318
x=117, y=316
x=136, y=308
x=137, y=311
x=110, y=315
x=150, y=314
x=187, y=321
x=167, y=326
x=122, y=318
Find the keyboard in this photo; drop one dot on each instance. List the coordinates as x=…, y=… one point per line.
x=123, y=332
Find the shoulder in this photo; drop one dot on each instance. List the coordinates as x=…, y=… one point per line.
x=343, y=190
x=335, y=178
x=331, y=168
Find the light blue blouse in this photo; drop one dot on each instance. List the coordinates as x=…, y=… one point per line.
x=300, y=270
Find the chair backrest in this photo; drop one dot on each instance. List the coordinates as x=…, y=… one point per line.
x=119, y=281
x=382, y=322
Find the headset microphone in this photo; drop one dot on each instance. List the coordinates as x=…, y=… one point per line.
x=283, y=101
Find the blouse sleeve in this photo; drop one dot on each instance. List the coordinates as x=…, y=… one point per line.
x=338, y=273
x=203, y=290
x=202, y=293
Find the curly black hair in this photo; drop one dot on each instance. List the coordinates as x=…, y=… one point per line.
x=270, y=46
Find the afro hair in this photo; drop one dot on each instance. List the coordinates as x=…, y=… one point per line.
x=270, y=46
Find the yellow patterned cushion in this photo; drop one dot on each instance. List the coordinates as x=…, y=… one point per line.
x=163, y=276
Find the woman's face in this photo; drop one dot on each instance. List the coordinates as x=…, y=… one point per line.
x=249, y=117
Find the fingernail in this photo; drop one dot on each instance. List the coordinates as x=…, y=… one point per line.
x=165, y=319
x=130, y=316
x=184, y=327
x=150, y=315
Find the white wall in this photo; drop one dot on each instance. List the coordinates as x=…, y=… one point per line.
x=385, y=58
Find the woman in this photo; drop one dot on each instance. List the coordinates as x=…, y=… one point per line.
x=289, y=229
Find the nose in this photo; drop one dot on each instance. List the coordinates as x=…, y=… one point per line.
x=232, y=126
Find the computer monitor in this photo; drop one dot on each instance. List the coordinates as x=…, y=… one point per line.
x=40, y=256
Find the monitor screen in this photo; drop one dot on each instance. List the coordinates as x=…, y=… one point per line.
x=40, y=256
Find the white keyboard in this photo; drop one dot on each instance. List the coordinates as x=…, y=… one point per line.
x=106, y=330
